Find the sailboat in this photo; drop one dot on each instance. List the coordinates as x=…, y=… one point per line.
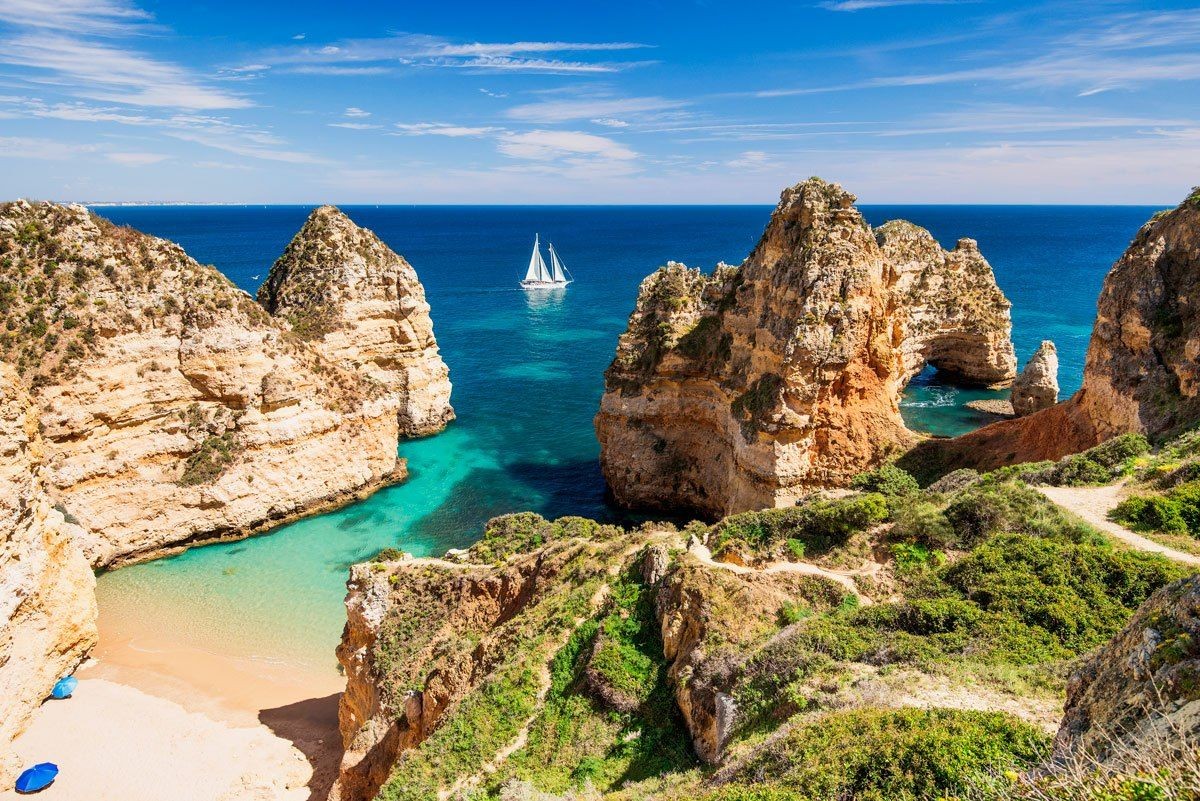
x=539, y=276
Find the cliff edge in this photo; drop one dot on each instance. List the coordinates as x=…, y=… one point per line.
x=47, y=591
x=174, y=409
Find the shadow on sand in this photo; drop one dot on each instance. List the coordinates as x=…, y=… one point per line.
x=311, y=726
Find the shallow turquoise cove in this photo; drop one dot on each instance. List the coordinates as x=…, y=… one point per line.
x=527, y=372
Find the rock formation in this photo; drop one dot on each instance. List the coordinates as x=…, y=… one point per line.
x=747, y=387
x=1137, y=695
x=1142, y=372
x=1036, y=388
x=342, y=289
x=174, y=409
x=47, y=591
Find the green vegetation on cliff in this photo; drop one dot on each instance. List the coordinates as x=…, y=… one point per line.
x=604, y=676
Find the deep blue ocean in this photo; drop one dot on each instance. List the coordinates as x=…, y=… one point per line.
x=527, y=375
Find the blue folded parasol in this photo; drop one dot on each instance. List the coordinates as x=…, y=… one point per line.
x=39, y=777
x=64, y=687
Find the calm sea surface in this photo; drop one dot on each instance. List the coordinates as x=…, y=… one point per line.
x=527, y=374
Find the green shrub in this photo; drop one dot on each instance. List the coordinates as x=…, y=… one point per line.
x=1175, y=512
x=209, y=461
x=1080, y=471
x=887, y=480
x=818, y=525
x=922, y=523
x=886, y=755
x=988, y=508
x=954, y=482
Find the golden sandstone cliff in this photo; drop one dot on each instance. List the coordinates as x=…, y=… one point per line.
x=748, y=387
x=47, y=591
x=1142, y=372
x=363, y=307
x=174, y=408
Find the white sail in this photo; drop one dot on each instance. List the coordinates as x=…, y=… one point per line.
x=556, y=272
x=537, y=267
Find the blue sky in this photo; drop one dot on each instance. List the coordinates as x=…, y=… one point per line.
x=649, y=102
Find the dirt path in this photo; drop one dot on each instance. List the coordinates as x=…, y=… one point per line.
x=843, y=577
x=1093, y=504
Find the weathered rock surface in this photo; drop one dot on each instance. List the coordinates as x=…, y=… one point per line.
x=342, y=289
x=1036, y=388
x=47, y=591
x=1138, y=694
x=1142, y=372
x=747, y=387
x=174, y=408
x=423, y=634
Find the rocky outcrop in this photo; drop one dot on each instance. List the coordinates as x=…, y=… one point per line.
x=1142, y=373
x=1137, y=696
x=750, y=386
x=174, y=409
x=342, y=289
x=423, y=634
x=47, y=591
x=1036, y=388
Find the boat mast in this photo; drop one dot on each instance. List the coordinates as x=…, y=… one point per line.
x=537, y=267
x=561, y=274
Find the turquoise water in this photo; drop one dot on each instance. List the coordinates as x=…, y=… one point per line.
x=527, y=374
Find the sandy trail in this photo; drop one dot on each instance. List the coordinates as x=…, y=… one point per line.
x=1092, y=505
x=843, y=577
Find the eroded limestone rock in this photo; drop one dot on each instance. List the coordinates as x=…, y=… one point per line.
x=174, y=408
x=47, y=591
x=362, y=305
x=750, y=386
x=1036, y=388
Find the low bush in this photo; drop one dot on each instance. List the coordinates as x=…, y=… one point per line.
x=989, y=508
x=885, y=755
x=816, y=526
x=1175, y=512
x=887, y=480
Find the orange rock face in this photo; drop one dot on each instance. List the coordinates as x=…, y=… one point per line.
x=1142, y=372
x=750, y=386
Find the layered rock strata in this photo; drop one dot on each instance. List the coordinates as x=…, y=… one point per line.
x=362, y=305
x=750, y=386
x=1135, y=700
x=174, y=409
x=47, y=591
x=1142, y=372
x=1036, y=388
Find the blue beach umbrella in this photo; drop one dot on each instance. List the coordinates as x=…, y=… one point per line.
x=64, y=687
x=39, y=777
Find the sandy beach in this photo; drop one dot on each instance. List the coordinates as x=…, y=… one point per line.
x=154, y=718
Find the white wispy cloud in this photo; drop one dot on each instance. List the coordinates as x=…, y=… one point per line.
x=207, y=130
x=21, y=147
x=443, y=129
x=355, y=111
x=61, y=44
x=610, y=122
x=490, y=93
x=862, y=5
x=136, y=159
x=544, y=145
x=77, y=16
x=1106, y=53
x=355, y=126
x=549, y=111
x=752, y=160
x=421, y=50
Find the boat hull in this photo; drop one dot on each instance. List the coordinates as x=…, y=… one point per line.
x=543, y=284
